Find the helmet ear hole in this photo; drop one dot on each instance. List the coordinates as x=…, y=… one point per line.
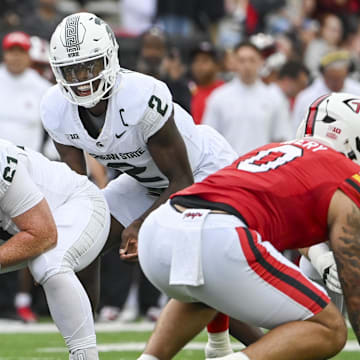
x=351, y=155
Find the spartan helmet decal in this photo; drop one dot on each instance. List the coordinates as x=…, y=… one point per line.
x=74, y=35
x=334, y=119
x=83, y=57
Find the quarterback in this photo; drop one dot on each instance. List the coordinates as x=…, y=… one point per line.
x=216, y=245
x=125, y=120
x=40, y=206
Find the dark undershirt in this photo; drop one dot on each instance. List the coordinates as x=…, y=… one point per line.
x=92, y=123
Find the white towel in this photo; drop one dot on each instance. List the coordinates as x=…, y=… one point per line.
x=186, y=266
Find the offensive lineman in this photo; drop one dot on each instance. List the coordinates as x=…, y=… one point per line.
x=40, y=206
x=128, y=122
x=280, y=196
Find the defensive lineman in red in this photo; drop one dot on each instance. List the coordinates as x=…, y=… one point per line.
x=215, y=246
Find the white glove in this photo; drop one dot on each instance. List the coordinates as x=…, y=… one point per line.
x=324, y=262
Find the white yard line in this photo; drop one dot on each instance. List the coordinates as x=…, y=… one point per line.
x=351, y=345
x=11, y=327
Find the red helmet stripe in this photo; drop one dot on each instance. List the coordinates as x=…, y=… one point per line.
x=310, y=121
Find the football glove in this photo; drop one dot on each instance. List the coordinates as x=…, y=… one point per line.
x=324, y=262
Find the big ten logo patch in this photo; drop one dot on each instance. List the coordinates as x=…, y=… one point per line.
x=73, y=136
x=333, y=132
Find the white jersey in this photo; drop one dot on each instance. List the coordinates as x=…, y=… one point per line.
x=26, y=177
x=20, y=98
x=139, y=108
x=248, y=116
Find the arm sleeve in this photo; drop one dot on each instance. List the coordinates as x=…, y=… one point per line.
x=158, y=110
x=351, y=188
x=22, y=194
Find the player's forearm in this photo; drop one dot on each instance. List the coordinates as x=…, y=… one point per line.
x=351, y=291
x=345, y=243
x=24, y=246
x=73, y=157
x=304, y=251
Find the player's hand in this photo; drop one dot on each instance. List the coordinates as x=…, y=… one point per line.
x=325, y=265
x=331, y=277
x=129, y=241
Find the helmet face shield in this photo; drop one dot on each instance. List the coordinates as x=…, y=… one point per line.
x=83, y=71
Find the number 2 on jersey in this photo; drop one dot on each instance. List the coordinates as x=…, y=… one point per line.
x=270, y=159
x=157, y=100
x=134, y=171
x=10, y=170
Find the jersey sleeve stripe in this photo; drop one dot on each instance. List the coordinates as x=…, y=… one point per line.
x=353, y=184
x=313, y=109
x=286, y=279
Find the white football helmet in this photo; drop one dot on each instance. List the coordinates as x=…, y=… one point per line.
x=334, y=119
x=84, y=59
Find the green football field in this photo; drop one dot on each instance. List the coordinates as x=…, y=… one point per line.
x=120, y=342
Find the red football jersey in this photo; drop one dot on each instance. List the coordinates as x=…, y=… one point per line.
x=283, y=190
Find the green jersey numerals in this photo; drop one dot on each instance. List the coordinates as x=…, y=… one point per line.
x=10, y=170
x=134, y=171
x=154, y=100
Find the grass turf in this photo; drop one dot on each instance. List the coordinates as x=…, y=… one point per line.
x=51, y=347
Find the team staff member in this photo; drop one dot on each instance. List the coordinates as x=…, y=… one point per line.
x=243, y=110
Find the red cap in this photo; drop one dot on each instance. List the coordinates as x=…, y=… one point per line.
x=17, y=38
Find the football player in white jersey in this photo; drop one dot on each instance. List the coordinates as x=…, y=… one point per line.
x=125, y=120
x=57, y=223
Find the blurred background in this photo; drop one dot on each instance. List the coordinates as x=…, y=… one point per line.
x=249, y=68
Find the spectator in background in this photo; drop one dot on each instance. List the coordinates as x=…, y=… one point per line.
x=330, y=37
x=44, y=20
x=21, y=90
x=205, y=71
x=334, y=68
x=240, y=18
x=157, y=60
x=273, y=59
x=136, y=16
x=243, y=110
x=176, y=17
x=39, y=55
x=303, y=22
x=293, y=77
